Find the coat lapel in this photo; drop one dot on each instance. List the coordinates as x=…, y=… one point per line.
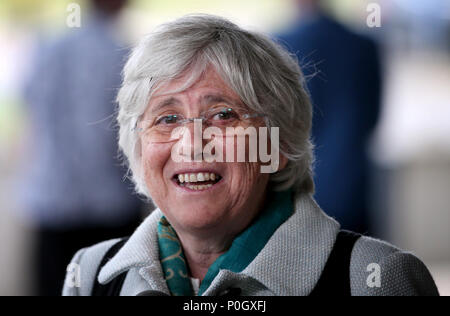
x=292, y=261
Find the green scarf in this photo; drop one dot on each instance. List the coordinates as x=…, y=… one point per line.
x=243, y=250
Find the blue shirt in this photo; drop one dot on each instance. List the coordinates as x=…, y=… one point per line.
x=344, y=80
x=73, y=176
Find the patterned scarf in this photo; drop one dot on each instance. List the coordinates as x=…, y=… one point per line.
x=172, y=260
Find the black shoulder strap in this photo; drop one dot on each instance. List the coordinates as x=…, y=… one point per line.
x=335, y=278
x=114, y=287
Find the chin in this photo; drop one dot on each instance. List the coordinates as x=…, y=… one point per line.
x=199, y=217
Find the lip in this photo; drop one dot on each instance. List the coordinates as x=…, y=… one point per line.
x=190, y=191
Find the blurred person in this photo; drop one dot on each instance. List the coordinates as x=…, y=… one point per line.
x=74, y=193
x=225, y=226
x=426, y=23
x=344, y=81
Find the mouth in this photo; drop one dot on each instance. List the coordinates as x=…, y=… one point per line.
x=198, y=181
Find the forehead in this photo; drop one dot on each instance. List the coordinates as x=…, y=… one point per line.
x=208, y=88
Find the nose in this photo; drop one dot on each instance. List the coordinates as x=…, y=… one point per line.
x=191, y=142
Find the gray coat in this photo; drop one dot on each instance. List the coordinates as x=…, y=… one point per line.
x=289, y=264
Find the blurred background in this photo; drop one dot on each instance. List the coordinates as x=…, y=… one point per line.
x=379, y=84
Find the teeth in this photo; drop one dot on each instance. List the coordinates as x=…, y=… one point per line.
x=197, y=177
x=199, y=187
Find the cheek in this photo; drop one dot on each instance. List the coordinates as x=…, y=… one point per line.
x=247, y=179
x=237, y=149
x=248, y=176
x=245, y=175
x=154, y=159
x=246, y=188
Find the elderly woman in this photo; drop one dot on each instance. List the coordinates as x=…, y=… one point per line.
x=195, y=93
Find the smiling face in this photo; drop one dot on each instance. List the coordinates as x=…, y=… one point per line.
x=219, y=197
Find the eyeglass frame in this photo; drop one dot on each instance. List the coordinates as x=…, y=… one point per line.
x=204, y=117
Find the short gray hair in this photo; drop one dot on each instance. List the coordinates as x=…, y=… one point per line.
x=266, y=77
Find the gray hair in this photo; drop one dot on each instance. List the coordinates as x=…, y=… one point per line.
x=264, y=75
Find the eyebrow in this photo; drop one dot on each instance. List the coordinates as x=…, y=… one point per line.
x=165, y=103
x=204, y=100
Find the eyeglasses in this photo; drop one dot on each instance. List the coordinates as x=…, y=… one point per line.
x=160, y=129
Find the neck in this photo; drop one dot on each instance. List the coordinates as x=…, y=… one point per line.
x=201, y=249
x=201, y=253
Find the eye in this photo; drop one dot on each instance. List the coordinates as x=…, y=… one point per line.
x=167, y=120
x=225, y=115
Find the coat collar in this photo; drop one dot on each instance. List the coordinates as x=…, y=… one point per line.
x=140, y=251
x=299, y=249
